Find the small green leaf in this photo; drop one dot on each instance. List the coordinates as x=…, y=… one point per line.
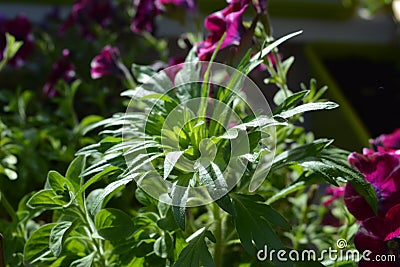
x=12, y=47
x=196, y=252
x=74, y=172
x=86, y=261
x=86, y=123
x=111, y=188
x=179, y=196
x=163, y=246
x=281, y=96
x=142, y=73
x=308, y=107
x=257, y=59
x=113, y=224
x=91, y=200
x=58, y=183
x=291, y=101
x=170, y=160
x=57, y=236
x=47, y=199
x=37, y=245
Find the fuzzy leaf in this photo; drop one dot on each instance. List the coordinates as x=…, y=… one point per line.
x=85, y=261
x=57, y=236
x=179, y=196
x=74, y=172
x=163, y=246
x=308, y=107
x=47, y=199
x=170, y=160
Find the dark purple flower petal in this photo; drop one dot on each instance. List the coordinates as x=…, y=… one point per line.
x=106, y=63
x=63, y=69
x=86, y=12
x=378, y=234
x=228, y=20
x=146, y=12
x=189, y=5
x=175, y=64
x=387, y=141
x=382, y=170
x=393, y=219
x=21, y=29
x=335, y=193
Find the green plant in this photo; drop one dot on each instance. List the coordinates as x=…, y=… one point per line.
x=88, y=230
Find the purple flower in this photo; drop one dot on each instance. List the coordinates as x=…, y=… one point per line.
x=189, y=5
x=86, y=12
x=146, y=11
x=63, y=69
x=106, y=63
x=21, y=29
x=334, y=193
x=260, y=6
x=382, y=170
x=380, y=235
x=175, y=64
x=387, y=141
x=228, y=20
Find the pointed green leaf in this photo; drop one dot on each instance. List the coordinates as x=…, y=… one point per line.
x=142, y=73
x=308, y=107
x=57, y=237
x=56, y=181
x=74, y=172
x=47, y=199
x=291, y=101
x=163, y=247
x=257, y=59
x=86, y=261
x=179, y=196
x=111, y=188
x=170, y=160
x=196, y=252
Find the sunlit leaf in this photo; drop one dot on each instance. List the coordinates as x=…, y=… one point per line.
x=196, y=252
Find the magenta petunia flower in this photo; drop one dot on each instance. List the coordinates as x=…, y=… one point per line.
x=335, y=193
x=146, y=12
x=63, y=69
x=228, y=20
x=387, y=141
x=382, y=170
x=21, y=28
x=106, y=63
x=86, y=12
x=380, y=235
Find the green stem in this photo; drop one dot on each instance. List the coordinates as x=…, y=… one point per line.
x=218, y=248
x=8, y=207
x=90, y=231
x=127, y=74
